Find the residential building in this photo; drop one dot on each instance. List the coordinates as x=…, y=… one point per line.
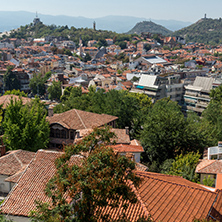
x=64, y=127
x=12, y=165
x=197, y=96
x=163, y=197
x=158, y=87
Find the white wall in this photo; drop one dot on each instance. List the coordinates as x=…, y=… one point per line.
x=18, y=219
x=4, y=186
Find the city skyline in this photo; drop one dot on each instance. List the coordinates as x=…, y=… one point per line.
x=189, y=11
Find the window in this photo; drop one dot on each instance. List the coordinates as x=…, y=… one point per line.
x=57, y=133
x=71, y=135
x=63, y=134
x=52, y=132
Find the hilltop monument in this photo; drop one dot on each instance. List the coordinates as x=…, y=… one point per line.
x=36, y=20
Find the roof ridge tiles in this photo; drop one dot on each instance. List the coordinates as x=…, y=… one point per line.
x=140, y=200
x=143, y=174
x=11, y=191
x=210, y=163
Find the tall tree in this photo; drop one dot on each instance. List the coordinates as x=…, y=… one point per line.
x=100, y=180
x=10, y=79
x=167, y=134
x=55, y=90
x=25, y=127
x=185, y=166
x=37, y=84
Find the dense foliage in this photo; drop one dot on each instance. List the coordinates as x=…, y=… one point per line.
x=15, y=92
x=166, y=133
x=25, y=126
x=98, y=180
x=185, y=166
x=204, y=31
x=37, y=83
x=130, y=108
x=55, y=90
x=41, y=30
x=151, y=27
x=10, y=79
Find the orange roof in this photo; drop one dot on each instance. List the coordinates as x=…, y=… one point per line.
x=78, y=119
x=125, y=148
x=5, y=100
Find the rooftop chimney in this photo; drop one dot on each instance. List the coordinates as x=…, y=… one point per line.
x=2, y=148
x=127, y=130
x=77, y=134
x=50, y=111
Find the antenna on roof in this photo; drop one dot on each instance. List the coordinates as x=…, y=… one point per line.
x=36, y=15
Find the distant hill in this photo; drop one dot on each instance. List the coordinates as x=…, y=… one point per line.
x=13, y=19
x=151, y=27
x=205, y=30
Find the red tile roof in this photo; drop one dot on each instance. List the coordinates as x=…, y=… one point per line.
x=125, y=148
x=78, y=119
x=164, y=197
x=5, y=100
x=32, y=184
x=167, y=198
x=209, y=167
x=14, y=161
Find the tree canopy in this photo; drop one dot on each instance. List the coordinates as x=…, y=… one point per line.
x=10, y=79
x=166, y=133
x=25, y=126
x=99, y=180
x=55, y=90
x=129, y=107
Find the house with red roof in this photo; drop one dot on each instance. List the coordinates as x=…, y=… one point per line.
x=162, y=197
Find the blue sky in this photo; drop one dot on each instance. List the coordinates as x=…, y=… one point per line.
x=186, y=10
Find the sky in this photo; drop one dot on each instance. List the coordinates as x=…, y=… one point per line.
x=186, y=10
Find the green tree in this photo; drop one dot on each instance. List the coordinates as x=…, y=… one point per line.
x=71, y=92
x=185, y=166
x=147, y=47
x=167, y=134
x=207, y=181
x=16, y=92
x=87, y=57
x=25, y=127
x=122, y=44
x=37, y=84
x=100, y=180
x=55, y=90
x=3, y=219
x=10, y=79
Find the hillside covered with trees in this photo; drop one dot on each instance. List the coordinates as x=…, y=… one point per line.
x=205, y=30
x=151, y=27
x=40, y=30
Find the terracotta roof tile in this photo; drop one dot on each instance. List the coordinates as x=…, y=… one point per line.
x=5, y=100
x=22, y=198
x=78, y=119
x=209, y=166
x=125, y=148
x=14, y=161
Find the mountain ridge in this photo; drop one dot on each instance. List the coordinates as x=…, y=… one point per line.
x=13, y=19
x=205, y=30
x=149, y=26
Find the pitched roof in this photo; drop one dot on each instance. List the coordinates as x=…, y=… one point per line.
x=164, y=197
x=31, y=184
x=209, y=167
x=5, y=100
x=167, y=198
x=14, y=161
x=78, y=119
x=125, y=148
x=171, y=198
